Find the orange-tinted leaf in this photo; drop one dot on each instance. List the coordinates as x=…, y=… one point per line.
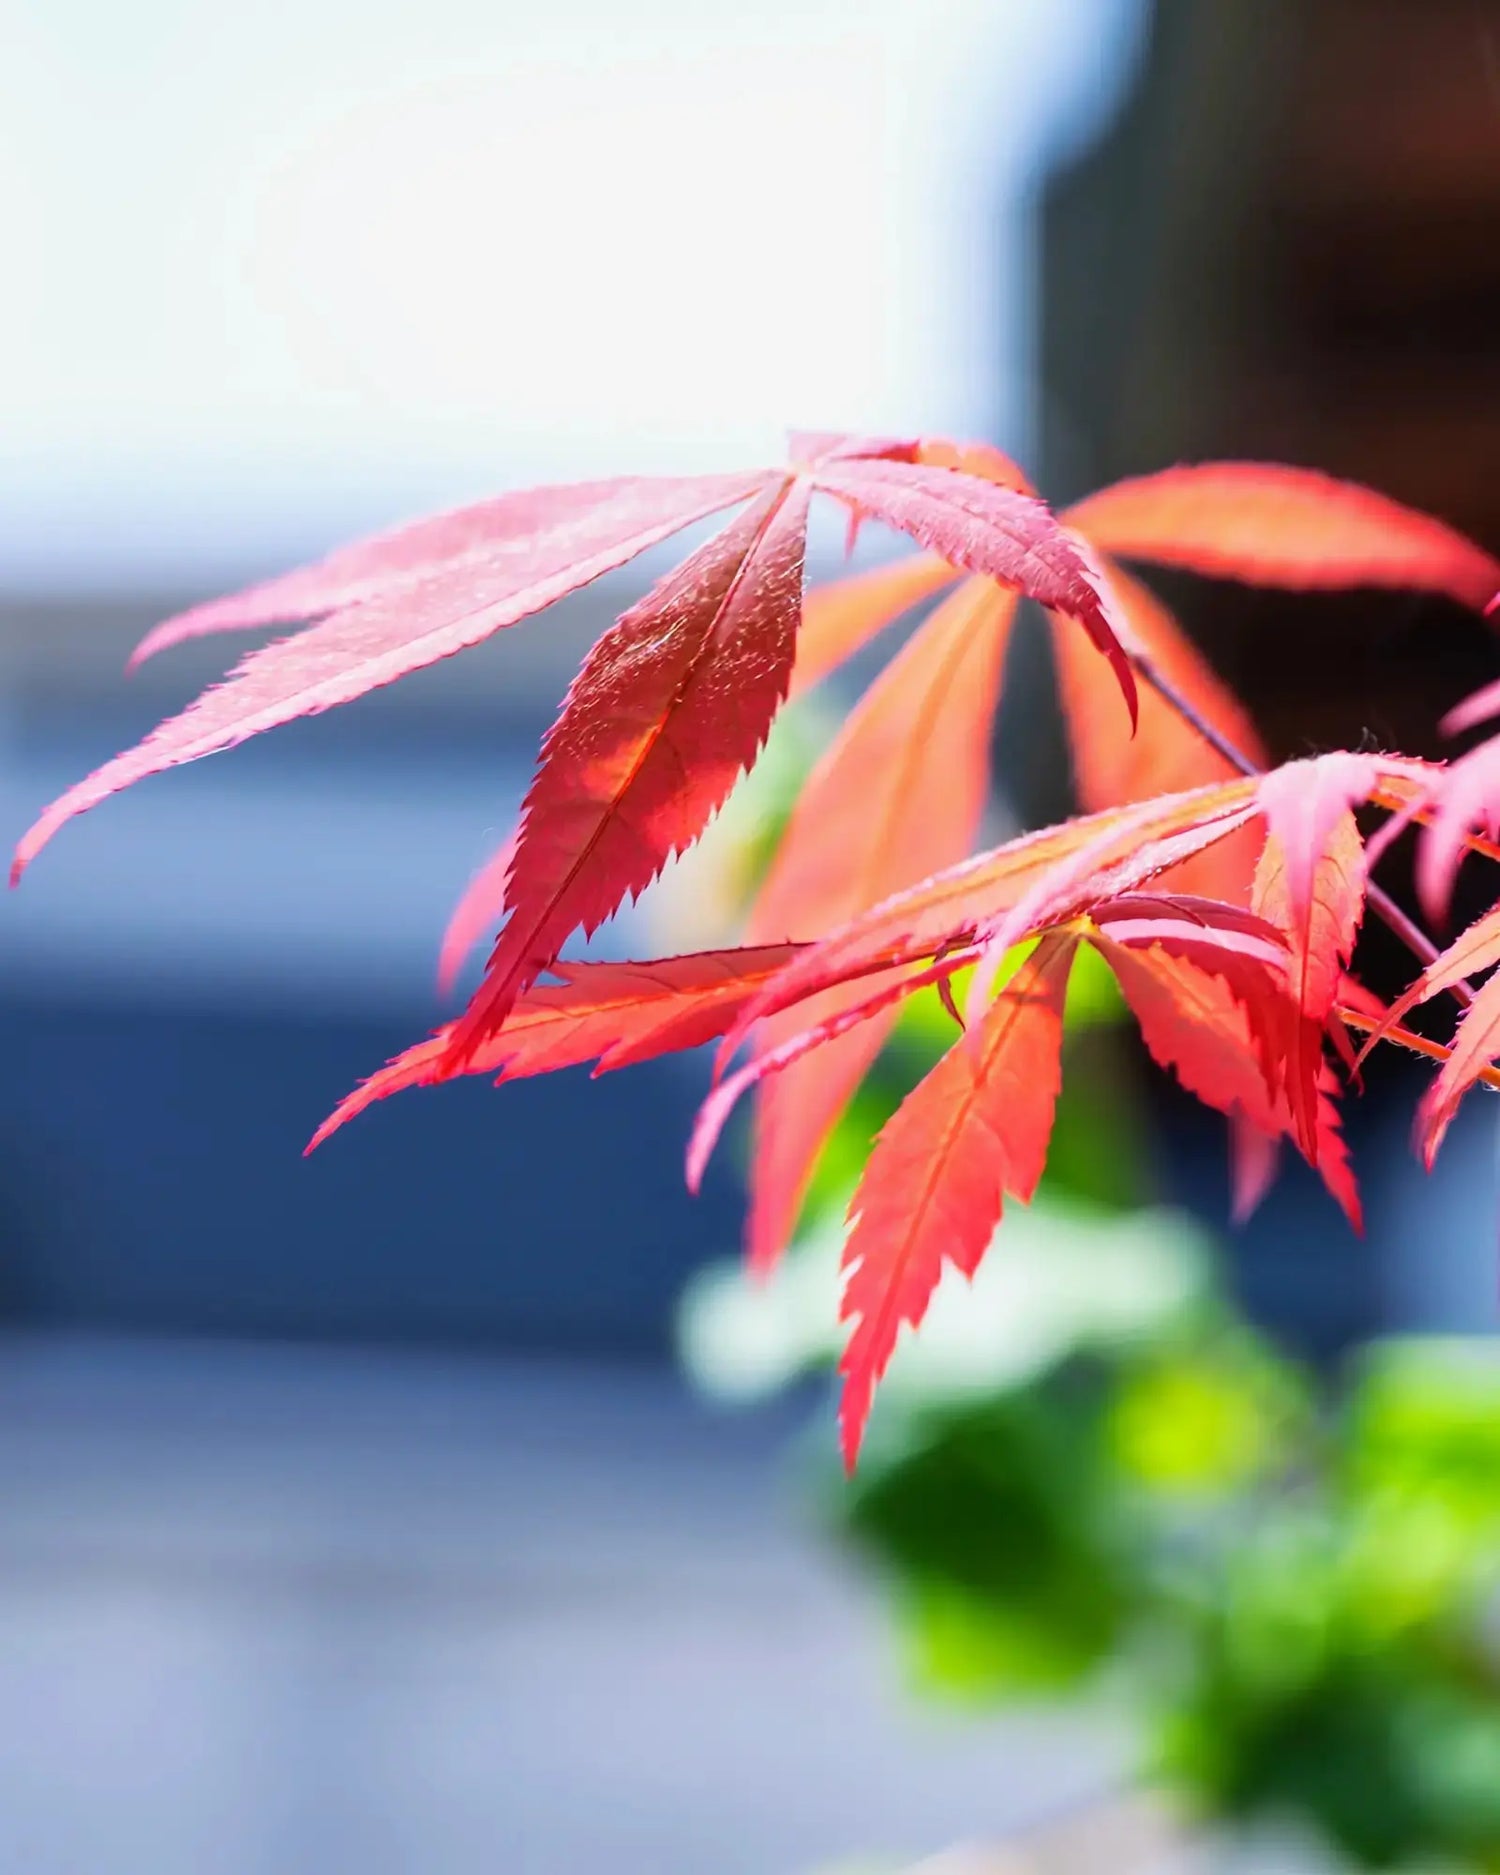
x=671, y=705
x=1193, y=1023
x=1467, y=796
x=1311, y=882
x=1121, y=857
x=1475, y=709
x=1476, y=1044
x=974, y=1129
x=1333, y=1154
x=1272, y=525
x=981, y=459
x=1244, y=953
x=478, y=912
x=898, y=793
x=1196, y=1025
x=1112, y=767
x=825, y=1023
x=1253, y=1160
x=986, y=528
x=900, y=790
x=612, y=1013
x=796, y=1111
x=949, y=908
x=840, y=618
x=1475, y=950
x=384, y=637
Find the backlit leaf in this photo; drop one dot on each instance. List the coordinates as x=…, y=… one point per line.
x=1311, y=883
x=612, y=1013
x=987, y=528
x=899, y=793
x=671, y=705
x=1273, y=525
x=1112, y=767
x=974, y=1129
x=572, y=519
x=385, y=637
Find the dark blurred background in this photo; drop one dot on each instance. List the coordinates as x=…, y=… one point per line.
x=352, y=1515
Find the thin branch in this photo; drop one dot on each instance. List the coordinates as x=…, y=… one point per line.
x=1408, y=1039
x=1381, y=903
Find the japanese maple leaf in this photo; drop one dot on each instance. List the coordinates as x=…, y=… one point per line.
x=1217, y=990
x=1060, y=872
x=1258, y=522
x=671, y=705
x=978, y=1124
x=1263, y=523
x=1311, y=887
x=601, y=1008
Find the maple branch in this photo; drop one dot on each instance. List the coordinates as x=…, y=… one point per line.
x=1380, y=901
x=1408, y=1039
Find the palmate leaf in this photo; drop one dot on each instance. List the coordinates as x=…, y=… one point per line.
x=1210, y=984
x=1253, y=521
x=978, y=1124
x=1221, y=937
x=1283, y=527
x=1058, y=872
x=949, y=909
x=1237, y=984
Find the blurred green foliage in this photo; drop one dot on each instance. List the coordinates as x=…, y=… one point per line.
x=1089, y=1473
x=1292, y=1596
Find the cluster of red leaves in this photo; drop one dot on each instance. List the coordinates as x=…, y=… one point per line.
x=1226, y=904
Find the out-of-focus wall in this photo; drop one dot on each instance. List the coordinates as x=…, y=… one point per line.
x=1283, y=248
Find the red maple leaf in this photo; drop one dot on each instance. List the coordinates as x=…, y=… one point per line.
x=1226, y=903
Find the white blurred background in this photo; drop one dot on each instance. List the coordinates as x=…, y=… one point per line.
x=273, y=275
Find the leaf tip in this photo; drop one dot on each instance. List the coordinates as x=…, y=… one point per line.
x=854, y=1412
x=707, y=1128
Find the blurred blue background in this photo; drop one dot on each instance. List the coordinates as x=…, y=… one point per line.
x=350, y=1514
